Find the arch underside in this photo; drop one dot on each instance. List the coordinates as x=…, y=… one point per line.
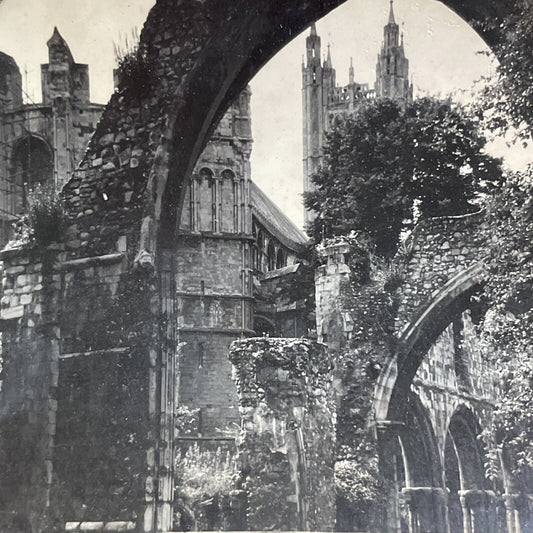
x=395, y=381
x=243, y=39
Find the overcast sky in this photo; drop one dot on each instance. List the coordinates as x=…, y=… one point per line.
x=444, y=54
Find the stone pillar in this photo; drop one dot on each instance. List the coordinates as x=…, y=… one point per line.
x=388, y=447
x=512, y=513
x=427, y=509
x=466, y=515
x=288, y=433
x=331, y=280
x=479, y=511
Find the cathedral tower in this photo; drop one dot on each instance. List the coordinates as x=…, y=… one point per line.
x=392, y=69
x=313, y=111
x=324, y=101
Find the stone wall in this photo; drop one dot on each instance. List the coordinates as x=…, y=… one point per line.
x=287, y=441
x=438, y=249
x=75, y=344
x=28, y=397
x=366, y=320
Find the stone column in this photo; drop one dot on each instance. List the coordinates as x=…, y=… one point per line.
x=466, y=515
x=288, y=433
x=388, y=447
x=28, y=396
x=427, y=509
x=512, y=514
x=479, y=510
x=331, y=280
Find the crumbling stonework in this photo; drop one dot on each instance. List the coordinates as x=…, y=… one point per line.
x=287, y=441
x=124, y=203
x=438, y=249
x=410, y=365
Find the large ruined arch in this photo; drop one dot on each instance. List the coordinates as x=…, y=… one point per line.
x=235, y=42
x=395, y=381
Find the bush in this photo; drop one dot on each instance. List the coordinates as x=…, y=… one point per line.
x=45, y=219
x=204, y=481
x=134, y=71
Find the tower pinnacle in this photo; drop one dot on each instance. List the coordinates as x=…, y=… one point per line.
x=391, y=14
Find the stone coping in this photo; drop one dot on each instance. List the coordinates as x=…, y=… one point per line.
x=98, y=260
x=118, y=526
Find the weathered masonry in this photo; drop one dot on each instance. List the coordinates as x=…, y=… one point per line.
x=432, y=393
x=42, y=143
x=90, y=324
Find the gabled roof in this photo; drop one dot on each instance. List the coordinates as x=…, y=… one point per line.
x=275, y=221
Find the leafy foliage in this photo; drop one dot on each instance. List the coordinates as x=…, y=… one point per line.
x=508, y=326
x=187, y=420
x=507, y=99
x=45, y=219
x=204, y=478
x=383, y=160
x=134, y=71
x=357, y=477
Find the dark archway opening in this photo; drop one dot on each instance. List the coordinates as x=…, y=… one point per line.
x=32, y=165
x=469, y=505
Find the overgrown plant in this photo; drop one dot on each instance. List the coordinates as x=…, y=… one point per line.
x=45, y=219
x=134, y=72
x=204, y=480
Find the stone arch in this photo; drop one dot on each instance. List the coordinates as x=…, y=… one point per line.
x=236, y=42
x=394, y=382
x=32, y=164
x=420, y=445
x=410, y=462
x=471, y=507
x=463, y=432
x=264, y=326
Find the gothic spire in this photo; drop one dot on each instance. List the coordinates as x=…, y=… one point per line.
x=391, y=14
x=351, y=72
x=313, y=29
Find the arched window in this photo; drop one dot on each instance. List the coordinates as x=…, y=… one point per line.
x=271, y=256
x=32, y=165
x=209, y=183
x=260, y=251
x=281, y=259
x=229, y=202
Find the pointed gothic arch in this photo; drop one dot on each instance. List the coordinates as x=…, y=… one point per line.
x=32, y=164
x=395, y=381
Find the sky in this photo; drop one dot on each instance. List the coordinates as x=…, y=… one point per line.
x=444, y=53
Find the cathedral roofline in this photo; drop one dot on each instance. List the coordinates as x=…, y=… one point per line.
x=275, y=221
